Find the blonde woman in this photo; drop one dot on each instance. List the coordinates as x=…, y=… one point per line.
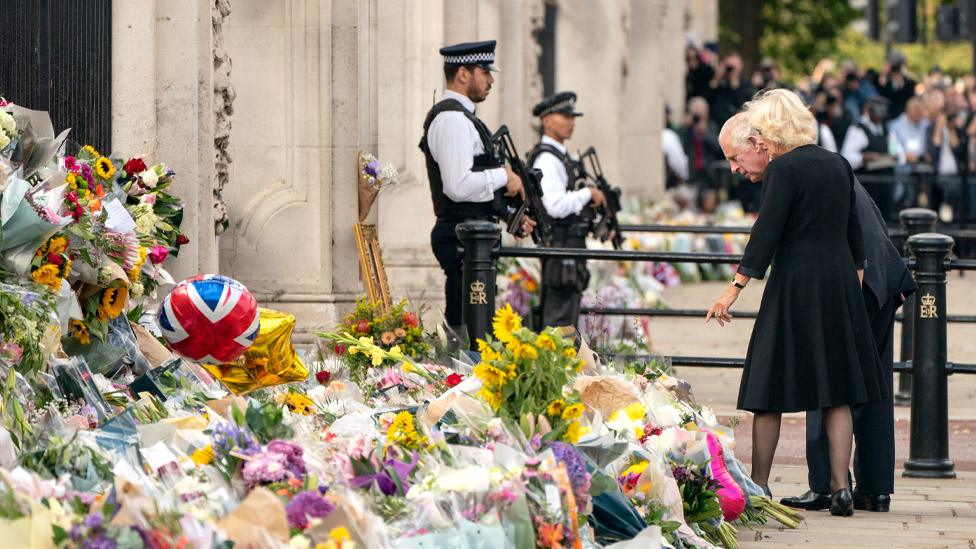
x=811, y=347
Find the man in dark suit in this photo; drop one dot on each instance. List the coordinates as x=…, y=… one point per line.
x=887, y=281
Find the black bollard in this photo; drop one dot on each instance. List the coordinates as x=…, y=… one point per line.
x=478, y=239
x=914, y=221
x=928, y=454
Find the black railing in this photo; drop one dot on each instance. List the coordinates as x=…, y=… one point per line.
x=929, y=368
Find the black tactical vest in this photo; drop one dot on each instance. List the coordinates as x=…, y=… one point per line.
x=444, y=208
x=876, y=143
x=574, y=173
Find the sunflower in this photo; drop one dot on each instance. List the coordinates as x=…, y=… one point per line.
x=489, y=375
x=569, y=352
x=494, y=399
x=573, y=411
x=79, y=331
x=112, y=303
x=91, y=151
x=556, y=407
x=203, y=456
x=487, y=352
x=545, y=341
x=505, y=322
x=47, y=275
x=57, y=245
x=575, y=431
x=104, y=168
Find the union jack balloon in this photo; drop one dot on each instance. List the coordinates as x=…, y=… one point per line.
x=209, y=318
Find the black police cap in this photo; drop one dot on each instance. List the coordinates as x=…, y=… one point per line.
x=471, y=53
x=562, y=102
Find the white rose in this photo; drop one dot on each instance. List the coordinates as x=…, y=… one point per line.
x=149, y=178
x=7, y=122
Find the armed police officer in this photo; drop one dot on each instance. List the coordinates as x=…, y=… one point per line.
x=564, y=196
x=463, y=171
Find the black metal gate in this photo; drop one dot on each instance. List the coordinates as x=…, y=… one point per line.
x=56, y=55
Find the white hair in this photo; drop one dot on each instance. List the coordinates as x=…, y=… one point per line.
x=782, y=119
x=736, y=130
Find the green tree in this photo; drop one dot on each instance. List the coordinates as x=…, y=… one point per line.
x=798, y=33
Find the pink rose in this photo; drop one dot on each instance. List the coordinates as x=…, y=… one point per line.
x=158, y=254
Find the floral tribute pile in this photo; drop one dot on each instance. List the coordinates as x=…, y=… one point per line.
x=109, y=440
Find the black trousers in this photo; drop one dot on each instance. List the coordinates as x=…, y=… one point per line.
x=874, y=423
x=563, y=280
x=447, y=250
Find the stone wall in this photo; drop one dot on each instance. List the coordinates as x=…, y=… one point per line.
x=317, y=81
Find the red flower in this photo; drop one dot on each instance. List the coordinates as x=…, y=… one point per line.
x=134, y=165
x=453, y=379
x=182, y=239
x=362, y=326
x=323, y=377
x=54, y=258
x=340, y=349
x=410, y=319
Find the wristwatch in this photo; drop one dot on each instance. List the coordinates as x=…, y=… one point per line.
x=737, y=284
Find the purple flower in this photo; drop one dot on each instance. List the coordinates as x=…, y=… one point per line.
x=86, y=172
x=265, y=467
x=93, y=521
x=371, y=167
x=75, y=532
x=292, y=453
x=305, y=506
x=575, y=465
x=229, y=438
x=99, y=542
x=680, y=473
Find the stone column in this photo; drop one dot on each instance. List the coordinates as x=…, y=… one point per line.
x=134, y=78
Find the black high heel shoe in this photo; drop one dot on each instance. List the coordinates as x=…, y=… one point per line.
x=842, y=503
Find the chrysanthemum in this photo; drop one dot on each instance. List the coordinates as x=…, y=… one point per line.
x=104, y=168
x=505, y=322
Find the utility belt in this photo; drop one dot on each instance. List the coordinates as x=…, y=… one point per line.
x=568, y=273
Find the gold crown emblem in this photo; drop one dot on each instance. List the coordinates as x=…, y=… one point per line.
x=477, y=286
x=928, y=300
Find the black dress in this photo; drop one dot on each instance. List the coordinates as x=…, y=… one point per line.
x=811, y=346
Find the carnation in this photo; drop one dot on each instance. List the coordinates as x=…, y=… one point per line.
x=307, y=505
x=265, y=468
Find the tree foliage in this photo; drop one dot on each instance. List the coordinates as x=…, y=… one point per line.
x=798, y=33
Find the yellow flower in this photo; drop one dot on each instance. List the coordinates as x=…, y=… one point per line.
x=376, y=356
x=47, y=275
x=556, y=407
x=408, y=368
x=525, y=350
x=79, y=330
x=104, y=168
x=636, y=468
x=492, y=398
x=339, y=533
x=575, y=431
x=489, y=375
x=91, y=150
x=299, y=403
x=403, y=432
x=72, y=180
x=396, y=353
x=488, y=354
x=203, y=456
x=505, y=322
x=545, y=341
x=636, y=411
x=113, y=301
x=57, y=245
x=569, y=352
x=573, y=411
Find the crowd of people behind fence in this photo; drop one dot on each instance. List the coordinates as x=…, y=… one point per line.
x=893, y=127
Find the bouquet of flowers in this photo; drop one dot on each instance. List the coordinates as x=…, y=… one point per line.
x=519, y=283
x=368, y=322
x=373, y=176
x=523, y=374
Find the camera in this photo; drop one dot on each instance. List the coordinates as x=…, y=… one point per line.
x=695, y=118
x=831, y=99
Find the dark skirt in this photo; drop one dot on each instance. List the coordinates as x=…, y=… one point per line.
x=812, y=345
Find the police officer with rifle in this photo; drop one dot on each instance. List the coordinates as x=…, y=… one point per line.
x=604, y=223
x=468, y=180
x=563, y=280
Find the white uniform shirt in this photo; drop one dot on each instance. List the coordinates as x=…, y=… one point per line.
x=454, y=142
x=856, y=141
x=827, y=140
x=558, y=200
x=674, y=153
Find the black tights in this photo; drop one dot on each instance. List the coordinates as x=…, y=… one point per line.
x=840, y=434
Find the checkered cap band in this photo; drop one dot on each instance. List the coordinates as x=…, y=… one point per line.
x=558, y=107
x=473, y=58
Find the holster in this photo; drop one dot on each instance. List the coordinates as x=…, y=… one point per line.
x=570, y=274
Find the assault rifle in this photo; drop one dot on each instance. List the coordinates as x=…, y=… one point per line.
x=512, y=209
x=604, y=225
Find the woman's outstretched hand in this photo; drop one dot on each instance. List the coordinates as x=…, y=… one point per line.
x=720, y=310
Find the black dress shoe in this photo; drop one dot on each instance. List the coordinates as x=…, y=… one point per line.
x=878, y=503
x=842, y=503
x=810, y=501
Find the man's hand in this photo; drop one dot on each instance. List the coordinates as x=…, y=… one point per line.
x=514, y=185
x=597, y=197
x=528, y=225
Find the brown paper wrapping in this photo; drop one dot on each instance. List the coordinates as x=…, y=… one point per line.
x=260, y=518
x=605, y=394
x=154, y=351
x=224, y=406
x=271, y=359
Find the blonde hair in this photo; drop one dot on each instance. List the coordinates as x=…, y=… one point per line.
x=780, y=117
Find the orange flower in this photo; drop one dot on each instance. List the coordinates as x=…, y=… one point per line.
x=99, y=190
x=550, y=536
x=387, y=338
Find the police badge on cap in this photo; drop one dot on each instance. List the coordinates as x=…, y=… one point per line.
x=471, y=53
x=562, y=103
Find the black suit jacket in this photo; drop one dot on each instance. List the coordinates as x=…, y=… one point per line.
x=886, y=276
